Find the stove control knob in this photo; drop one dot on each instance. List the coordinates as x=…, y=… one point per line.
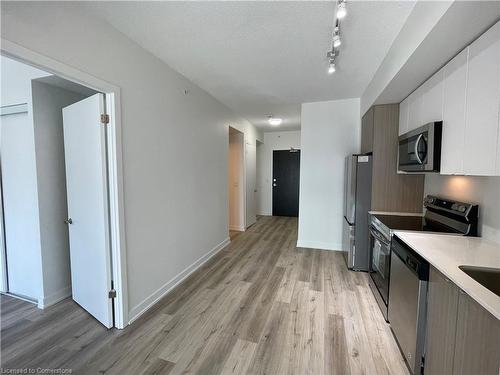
x=462, y=209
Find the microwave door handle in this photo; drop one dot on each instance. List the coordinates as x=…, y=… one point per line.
x=416, y=149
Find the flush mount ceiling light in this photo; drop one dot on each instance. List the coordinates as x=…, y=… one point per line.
x=274, y=121
x=341, y=9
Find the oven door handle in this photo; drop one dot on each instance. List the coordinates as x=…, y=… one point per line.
x=379, y=237
x=416, y=149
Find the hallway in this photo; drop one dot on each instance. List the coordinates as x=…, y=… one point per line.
x=261, y=306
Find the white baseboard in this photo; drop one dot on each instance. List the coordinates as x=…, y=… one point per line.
x=265, y=214
x=320, y=245
x=151, y=300
x=22, y=298
x=52, y=299
x=237, y=228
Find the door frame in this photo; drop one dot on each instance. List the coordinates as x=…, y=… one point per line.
x=115, y=162
x=246, y=143
x=243, y=183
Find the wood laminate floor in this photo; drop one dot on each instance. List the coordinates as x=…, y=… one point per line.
x=260, y=306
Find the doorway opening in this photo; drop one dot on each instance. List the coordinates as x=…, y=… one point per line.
x=59, y=206
x=286, y=180
x=236, y=182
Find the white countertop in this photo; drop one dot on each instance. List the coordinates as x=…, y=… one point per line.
x=446, y=253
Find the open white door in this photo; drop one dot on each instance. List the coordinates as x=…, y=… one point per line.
x=88, y=213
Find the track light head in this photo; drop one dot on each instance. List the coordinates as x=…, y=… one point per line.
x=341, y=9
x=331, y=67
x=336, y=41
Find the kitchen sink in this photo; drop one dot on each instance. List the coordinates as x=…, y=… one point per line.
x=487, y=277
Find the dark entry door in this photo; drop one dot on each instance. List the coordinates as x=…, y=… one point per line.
x=286, y=174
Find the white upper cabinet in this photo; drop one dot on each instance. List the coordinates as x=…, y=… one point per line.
x=454, y=85
x=465, y=95
x=404, y=108
x=432, y=99
x=483, y=98
x=415, y=109
x=424, y=105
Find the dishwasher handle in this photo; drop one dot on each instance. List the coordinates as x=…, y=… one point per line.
x=415, y=263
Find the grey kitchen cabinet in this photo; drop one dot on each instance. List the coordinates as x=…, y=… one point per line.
x=390, y=191
x=442, y=305
x=477, y=343
x=462, y=337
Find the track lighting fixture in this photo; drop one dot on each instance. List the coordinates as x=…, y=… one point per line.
x=336, y=41
x=341, y=9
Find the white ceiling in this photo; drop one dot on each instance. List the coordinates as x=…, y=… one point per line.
x=261, y=57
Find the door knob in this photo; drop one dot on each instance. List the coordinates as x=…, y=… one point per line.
x=68, y=221
x=275, y=185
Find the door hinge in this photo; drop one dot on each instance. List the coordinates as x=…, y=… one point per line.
x=112, y=293
x=104, y=119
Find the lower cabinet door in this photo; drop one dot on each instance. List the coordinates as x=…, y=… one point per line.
x=441, y=325
x=477, y=346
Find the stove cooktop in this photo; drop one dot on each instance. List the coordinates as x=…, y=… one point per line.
x=402, y=222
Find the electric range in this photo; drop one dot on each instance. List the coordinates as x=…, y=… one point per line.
x=441, y=215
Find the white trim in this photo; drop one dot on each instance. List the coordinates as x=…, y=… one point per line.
x=25, y=299
x=13, y=109
x=264, y=214
x=237, y=228
x=150, y=301
x=320, y=245
x=58, y=296
x=115, y=160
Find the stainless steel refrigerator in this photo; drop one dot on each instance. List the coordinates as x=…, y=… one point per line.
x=357, y=203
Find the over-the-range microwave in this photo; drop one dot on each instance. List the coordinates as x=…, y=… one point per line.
x=420, y=149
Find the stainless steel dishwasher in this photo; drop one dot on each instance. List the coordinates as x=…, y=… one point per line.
x=408, y=302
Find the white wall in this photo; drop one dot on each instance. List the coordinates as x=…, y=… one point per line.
x=19, y=181
x=272, y=141
x=329, y=132
x=174, y=145
x=424, y=16
x=484, y=191
x=236, y=180
x=20, y=197
x=16, y=81
x=48, y=102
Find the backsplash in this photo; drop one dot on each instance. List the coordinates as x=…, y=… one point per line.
x=484, y=191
